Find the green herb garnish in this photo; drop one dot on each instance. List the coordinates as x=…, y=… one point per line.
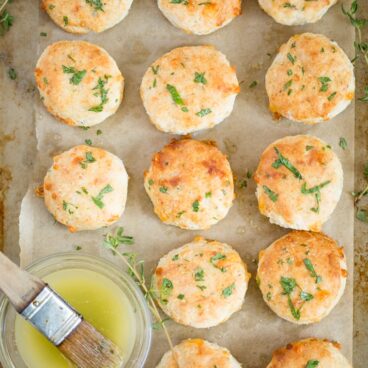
x=166, y=290
x=163, y=189
x=203, y=112
x=175, y=95
x=102, y=93
x=98, y=199
x=312, y=363
x=331, y=96
x=228, y=290
x=324, y=83
x=88, y=160
x=6, y=20
x=199, y=274
x=195, y=206
x=283, y=161
x=253, y=84
x=316, y=190
x=308, y=264
x=200, y=78
x=215, y=259
x=271, y=194
x=291, y=58
x=77, y=76
x=96, y=4
x=343, y=143
x=12, y=74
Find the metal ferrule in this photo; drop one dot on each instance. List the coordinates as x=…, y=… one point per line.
x=52, y=316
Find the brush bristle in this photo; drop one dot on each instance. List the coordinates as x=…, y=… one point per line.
x=87, y=348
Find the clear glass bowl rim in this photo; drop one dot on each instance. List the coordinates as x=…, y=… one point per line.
x=65, y=260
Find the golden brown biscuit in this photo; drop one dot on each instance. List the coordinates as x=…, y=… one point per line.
x=302, y=276
x=309, y=353
x=299, y=182
x=190, y=184
x=82, y=16
x=189, y=89
x=201, y=284
x=79, y=82
x=296, y=12
x=86, y=188
x=200, y=17
x=198, y=353
x=311, y=79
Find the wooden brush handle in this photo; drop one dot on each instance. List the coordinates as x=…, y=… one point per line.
x=18, y=285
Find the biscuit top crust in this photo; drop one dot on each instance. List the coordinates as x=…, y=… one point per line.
x=190, y=184
x=299, y=179
x=200, y=17
x=309, y=78
x=82, y=16
x=309, y=353
x=86, y=188
x=198, y=353
x=188, y=89
x=301, y=275
x=201, y=283
x=79, y=82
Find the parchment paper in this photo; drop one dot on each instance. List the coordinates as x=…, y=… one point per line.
x=254, y=332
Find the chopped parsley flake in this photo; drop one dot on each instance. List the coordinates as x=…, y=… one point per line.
x=200, y=78
x=343, y=143
x=288, y=5
x=271, y=194
x=306, y=296
x=215, y=260
x=175, y=95
x=98, y=199
x=12, y=74
x=166, y=290
x=163, y=189
x=155, y=69
x=228, y=290
x=283, y=161
x=195, y=206
x=331, y=96
x=102, y=93
x=96, y=4
x=203, y=112
x=324, y=83
x=77, y=76
x=88, y=160
x=199, y=274
x=66, y=20
x=291, y=58
x=316, y=190
x=308, y=264
x=312, y=363
x=253, y=84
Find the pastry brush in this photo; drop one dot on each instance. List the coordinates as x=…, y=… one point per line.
x=79, y=341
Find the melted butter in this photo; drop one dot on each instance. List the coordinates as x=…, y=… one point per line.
x=98, y=299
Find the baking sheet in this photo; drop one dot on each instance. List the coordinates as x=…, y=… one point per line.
x=254, y=332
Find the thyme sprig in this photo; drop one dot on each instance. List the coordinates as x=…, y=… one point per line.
x=113, y=241
x=6, y=19
x=361, y=47
x=362, y=213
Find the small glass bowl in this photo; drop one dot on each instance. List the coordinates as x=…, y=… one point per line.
x=9, y=354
